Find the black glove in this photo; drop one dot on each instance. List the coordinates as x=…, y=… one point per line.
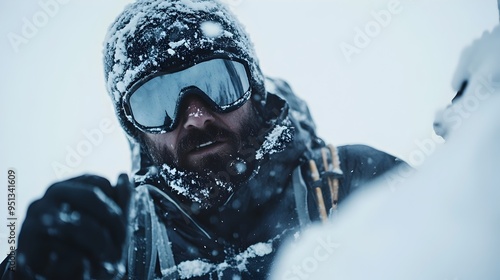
x=77, y=230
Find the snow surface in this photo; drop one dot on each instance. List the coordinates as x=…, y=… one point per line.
x=441, y=222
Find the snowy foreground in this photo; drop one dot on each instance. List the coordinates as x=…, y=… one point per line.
x=441, y=222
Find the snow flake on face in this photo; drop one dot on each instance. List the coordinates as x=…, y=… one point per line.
x=196, y=114
x=193, y=186
x=178, y=185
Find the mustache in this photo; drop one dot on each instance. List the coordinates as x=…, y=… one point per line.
x=196, y=137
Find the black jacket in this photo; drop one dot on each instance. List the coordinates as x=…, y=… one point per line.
x=243, y=236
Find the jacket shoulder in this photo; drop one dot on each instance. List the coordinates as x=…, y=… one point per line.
x=363, y=154
x=361, y=164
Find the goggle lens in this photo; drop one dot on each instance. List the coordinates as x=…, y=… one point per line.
x=223, y=83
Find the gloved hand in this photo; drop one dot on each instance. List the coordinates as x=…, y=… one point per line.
x=77, y=230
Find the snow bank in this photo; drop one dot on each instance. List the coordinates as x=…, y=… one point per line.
x=442, y=222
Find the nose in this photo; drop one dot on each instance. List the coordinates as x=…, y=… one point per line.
x=197, y=114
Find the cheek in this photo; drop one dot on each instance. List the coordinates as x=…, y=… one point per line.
x=163, y=141
x=234, y=119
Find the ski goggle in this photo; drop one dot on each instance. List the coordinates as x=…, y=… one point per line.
x=153, y=105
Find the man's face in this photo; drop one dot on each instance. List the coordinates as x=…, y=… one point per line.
x=203, y=139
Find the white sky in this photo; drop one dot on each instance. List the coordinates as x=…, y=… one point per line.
x=53, y=89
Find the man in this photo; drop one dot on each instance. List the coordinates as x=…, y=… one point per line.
x=225, y=164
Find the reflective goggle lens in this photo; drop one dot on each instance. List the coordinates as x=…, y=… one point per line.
x=155, y=103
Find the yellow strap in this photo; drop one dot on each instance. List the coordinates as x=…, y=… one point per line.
x=319, y=194
x=335, y=183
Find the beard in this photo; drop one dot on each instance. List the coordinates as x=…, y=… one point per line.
x=211, y=162
x=240, y=145
x=210, y=180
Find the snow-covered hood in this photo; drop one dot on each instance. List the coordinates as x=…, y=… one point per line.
x=152, y=37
